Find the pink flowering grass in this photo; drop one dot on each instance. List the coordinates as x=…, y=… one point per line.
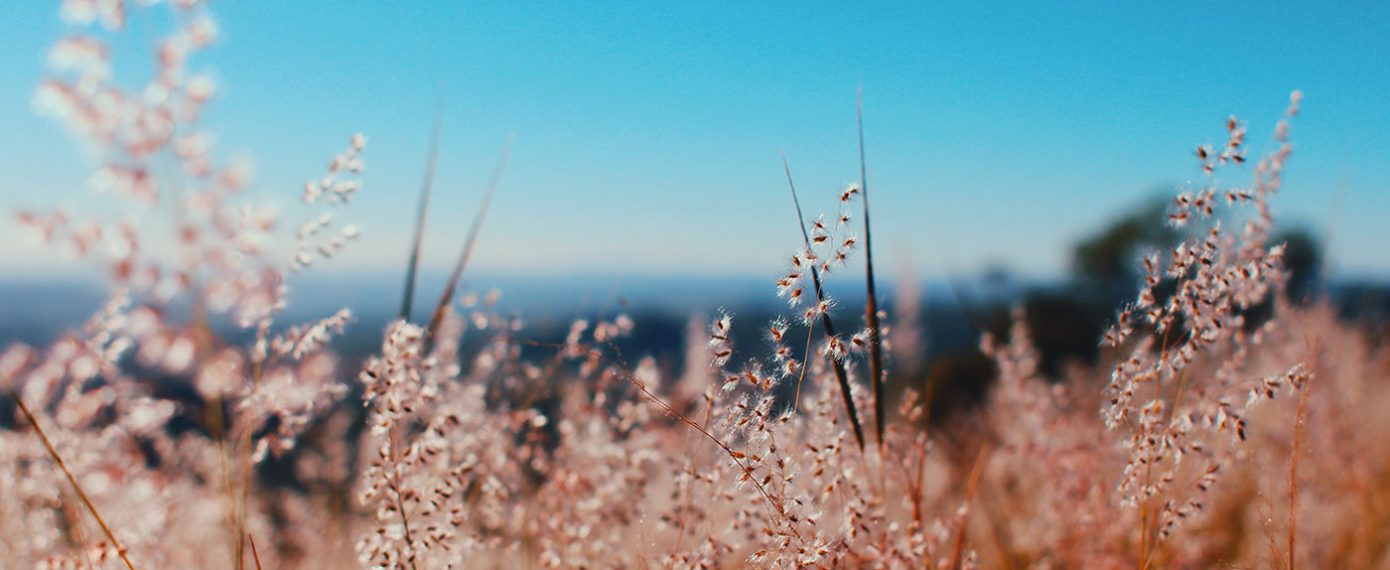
x=1207, y=434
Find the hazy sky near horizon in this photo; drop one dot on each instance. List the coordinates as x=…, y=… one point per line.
x=647, y=137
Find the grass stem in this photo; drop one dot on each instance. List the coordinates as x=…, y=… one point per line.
x=426, y=188
x=841, y=376
x=447, y=296
x=871, y=301
x=63, y=466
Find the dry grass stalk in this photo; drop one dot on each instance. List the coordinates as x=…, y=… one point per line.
x=255, y=554
x=971, y=485
x=76, y=487
x=494, y=458
x=1300, y=430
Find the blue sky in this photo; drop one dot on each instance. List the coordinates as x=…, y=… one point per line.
x=647, y=138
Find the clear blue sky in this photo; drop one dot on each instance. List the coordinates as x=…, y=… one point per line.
x=647, y=137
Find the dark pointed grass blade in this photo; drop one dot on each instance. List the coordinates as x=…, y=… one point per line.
x=871, y=304
x=447, y=296
x=841, y=376
x=426, y=187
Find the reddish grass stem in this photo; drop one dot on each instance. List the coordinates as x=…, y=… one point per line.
x=1299, y=434
x=958, y=550
x=255, y=555
x=63, y=466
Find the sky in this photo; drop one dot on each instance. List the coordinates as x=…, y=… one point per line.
x=646, y=138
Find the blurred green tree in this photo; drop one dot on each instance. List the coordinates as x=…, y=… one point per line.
x=1105, y=266
x=1303, y=259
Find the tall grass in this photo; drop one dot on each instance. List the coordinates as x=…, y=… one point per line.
x=1175, y=450
x=837, y=363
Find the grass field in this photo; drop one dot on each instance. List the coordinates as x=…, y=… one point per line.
x=1228, y=419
